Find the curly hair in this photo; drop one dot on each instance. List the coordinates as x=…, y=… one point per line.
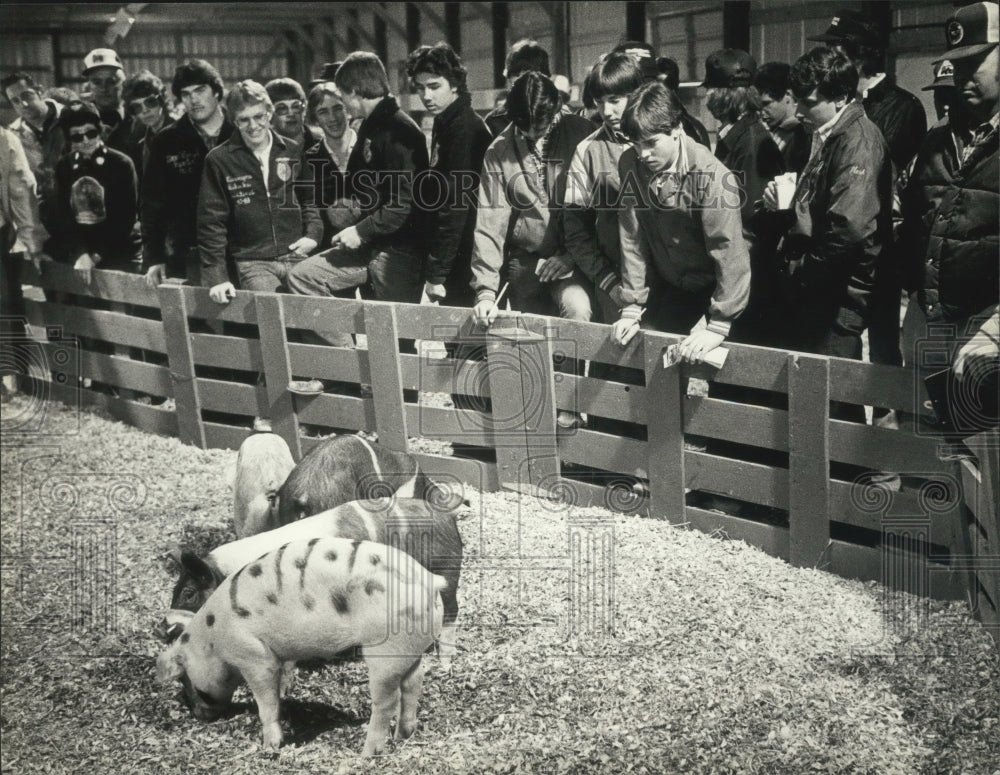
x=144, y=84
x=197, y=72
x=727, y=104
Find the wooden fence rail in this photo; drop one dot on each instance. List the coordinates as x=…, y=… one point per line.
x=791, y=479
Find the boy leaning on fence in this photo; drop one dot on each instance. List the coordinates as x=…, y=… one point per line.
x=684, y=258
x=249, y=206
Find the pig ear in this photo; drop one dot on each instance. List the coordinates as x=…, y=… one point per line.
x=198, y=569
x=173, y=560
x=169, y=665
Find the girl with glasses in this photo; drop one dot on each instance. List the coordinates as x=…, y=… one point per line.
x=145, y=99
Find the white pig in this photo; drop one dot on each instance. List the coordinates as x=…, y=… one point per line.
x=307, y=600
x=262, y=466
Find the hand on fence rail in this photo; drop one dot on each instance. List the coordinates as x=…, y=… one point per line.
x=698, y=344
x=156, y=275
x=222, y=293
x=434, y=293
x=627, y=326
x=84, y=266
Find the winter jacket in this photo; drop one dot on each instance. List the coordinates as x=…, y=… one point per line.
x=951, y=226
x=497, y=121
x=237, y=216
x=841, y=221
x=900, y=117
x=520, y=210
x=690, y=233
x=694, y=129
x=592, y=203
x=459, y=141
x=97, y=207
x=390, y=152
x=749, y=150
x=170, y=187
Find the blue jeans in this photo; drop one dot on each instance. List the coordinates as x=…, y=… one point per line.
x=394, y=275
x=268, y=275
x=560, y=298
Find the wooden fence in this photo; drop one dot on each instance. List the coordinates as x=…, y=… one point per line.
x=795, y=477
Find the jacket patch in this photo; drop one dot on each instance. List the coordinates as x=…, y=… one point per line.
x=283, y=167
x=184, y=162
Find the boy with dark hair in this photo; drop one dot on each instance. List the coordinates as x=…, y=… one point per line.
x=145, y=99
x=172, y=177
x=43, y=140
x=777, y=111
x=459, y=140
x=898, y=114
x=683, y=254
x=525, y=55
x=841, y=213
x=387, y=244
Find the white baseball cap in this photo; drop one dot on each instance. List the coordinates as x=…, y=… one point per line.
x=101, y=57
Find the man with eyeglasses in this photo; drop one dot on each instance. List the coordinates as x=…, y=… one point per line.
x=250, y=206
x=102, y=68
x=288, y=119
x=43, y=139
x=173, y=172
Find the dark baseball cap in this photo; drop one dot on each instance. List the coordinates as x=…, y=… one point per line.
x=850, y=25
x=326, y=73
x=729, y=67
x=972, y=29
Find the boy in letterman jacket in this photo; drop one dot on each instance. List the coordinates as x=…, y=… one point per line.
x=249, y=205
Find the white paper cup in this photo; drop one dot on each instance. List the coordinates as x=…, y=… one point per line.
x=786, y=189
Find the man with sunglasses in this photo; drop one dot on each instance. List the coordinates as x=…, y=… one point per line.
x=173, y=172
x=43, y=139
x=105, y=76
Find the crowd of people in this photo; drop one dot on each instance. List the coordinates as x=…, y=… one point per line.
x=825, y=207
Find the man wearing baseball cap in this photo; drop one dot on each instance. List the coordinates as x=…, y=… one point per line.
x=747, y=149
x=896, y=112
x=105, y=76
x=950, y=229
x=943, y=86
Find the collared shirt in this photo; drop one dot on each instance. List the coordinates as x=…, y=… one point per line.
x=875, y=81
x=979, y=136
x=341, y=158
x=822, y=133
x=263, y=155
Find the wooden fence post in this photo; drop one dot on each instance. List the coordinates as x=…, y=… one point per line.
x=522, y=396
x=808, y=459
x=177, y=334
x=665, y=424
x=277, y=369
x=386, y=377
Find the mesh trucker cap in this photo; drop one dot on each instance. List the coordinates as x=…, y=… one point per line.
x=972, y=29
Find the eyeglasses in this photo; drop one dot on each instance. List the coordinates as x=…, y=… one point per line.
x=138, y=106
x=291, y=106
x=87, y=134
x=261, y=119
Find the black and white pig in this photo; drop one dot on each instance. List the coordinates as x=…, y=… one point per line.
x=307, y=600
x=262, y=466
x=431, y=535
x=340, y=469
